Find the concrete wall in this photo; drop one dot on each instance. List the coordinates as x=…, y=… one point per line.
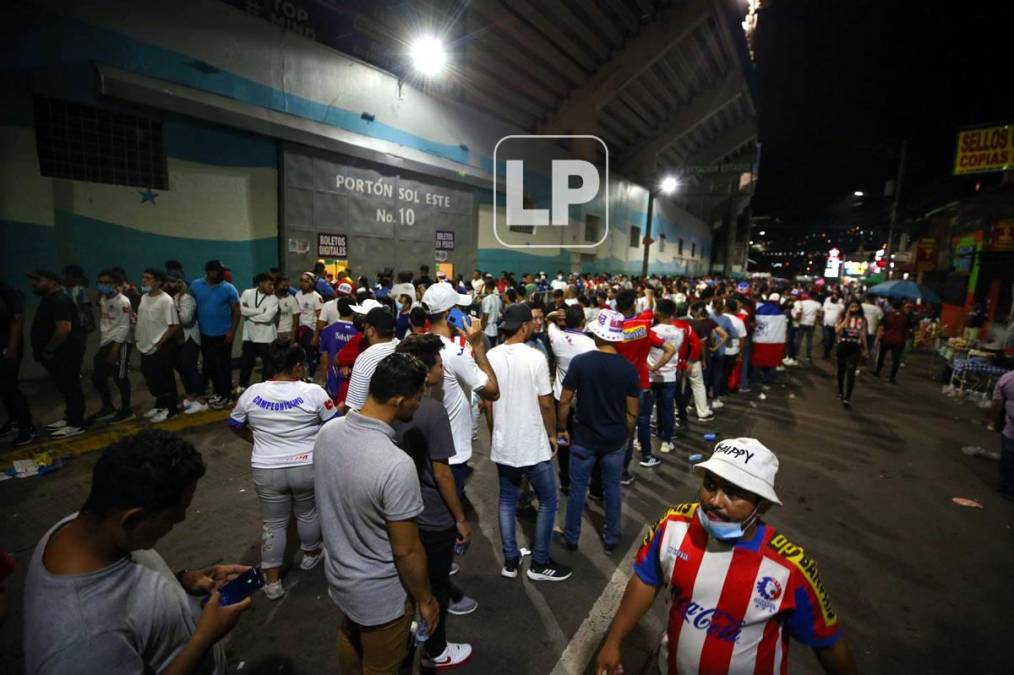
x=212, y=47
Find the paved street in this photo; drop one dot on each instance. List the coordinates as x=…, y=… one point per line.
x=921, y=585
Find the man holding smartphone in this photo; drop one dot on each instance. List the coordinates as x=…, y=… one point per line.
x=99, y=599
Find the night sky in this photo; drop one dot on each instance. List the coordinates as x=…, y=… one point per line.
x=841, y=83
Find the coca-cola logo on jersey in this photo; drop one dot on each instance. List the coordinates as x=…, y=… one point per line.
x=716, y=622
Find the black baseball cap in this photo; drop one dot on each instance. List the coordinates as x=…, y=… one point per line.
x=214, y=265
x=515, y=315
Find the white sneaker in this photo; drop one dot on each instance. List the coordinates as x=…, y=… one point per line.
x=762, y=396
x=780, y=369
x=717, y=404
x=186, y=402
x=217, y=402
x=455, y=654
x=67, y=431
x=274, y=590
x=161, y=416
x=310, y=561
x=59, y=424
x=665, y=448
x=151, y=413
x=455, y=568
x=195, y=407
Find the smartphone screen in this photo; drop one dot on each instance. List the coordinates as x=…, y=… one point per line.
x=459, y=320
x=242, y=586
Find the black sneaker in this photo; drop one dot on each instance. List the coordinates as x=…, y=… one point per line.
x=122, y=416
x=609, y=548
x=550, y=571
x=9, y=429
x=25, y=436
x=627, y=478
x=510, y=568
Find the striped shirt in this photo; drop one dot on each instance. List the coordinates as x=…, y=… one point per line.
x=362, y=373
x=734, y=607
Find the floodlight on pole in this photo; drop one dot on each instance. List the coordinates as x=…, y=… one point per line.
x=428, y=55
x=669, y=185
x=858, y=193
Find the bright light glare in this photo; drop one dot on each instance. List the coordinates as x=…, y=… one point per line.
x=858, y=193
x=428, y=56
x=669, y=185
x=761, y=233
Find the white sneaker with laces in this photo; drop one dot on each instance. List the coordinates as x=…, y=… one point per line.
x=762, y=396
x=665, y=448
x=66, y=432
x=274, y=590
x=455, y=654
x=310, y=561
x=161, y=416
x=59, y=424
x=195, y=407
x=151, y=413
x=717, y=404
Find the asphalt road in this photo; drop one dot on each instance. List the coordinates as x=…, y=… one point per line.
x=921, y=585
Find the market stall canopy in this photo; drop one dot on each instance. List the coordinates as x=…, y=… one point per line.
x=906, y=290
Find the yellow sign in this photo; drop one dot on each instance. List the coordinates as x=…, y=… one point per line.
x=982, y=150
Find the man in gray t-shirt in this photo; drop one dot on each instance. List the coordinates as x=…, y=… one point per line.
x=368, y=497
x=99, y=599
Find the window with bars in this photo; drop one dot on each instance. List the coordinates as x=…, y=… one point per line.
x=81, y=142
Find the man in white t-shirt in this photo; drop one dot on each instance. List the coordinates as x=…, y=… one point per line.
x=490, y=309
x=805, y=311
x=831, y=312
x=566, y=343
x=114, y=350
x=287, y=318
x=258, y=307
x=874, y=315
x=310, y=304
x=665, y=380
x=329, y=310
x=523, y=443
x=157, y=323
x=466, y=369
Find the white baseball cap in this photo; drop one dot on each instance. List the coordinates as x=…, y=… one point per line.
x=403, y=289
x=746, y=463
x=774, y=297
x=608, y=326
x=441, y=297
x=368, y=304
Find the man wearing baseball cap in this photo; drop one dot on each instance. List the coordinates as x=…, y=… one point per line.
x=378, y=332
x=739, y=588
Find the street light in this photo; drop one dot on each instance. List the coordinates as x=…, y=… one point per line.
x=669, y=185
x=666, y=187
x=858, y=193
x=428, y=55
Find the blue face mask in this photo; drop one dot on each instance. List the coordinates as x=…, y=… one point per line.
x=107, y=291
x=725, y=532
x=146, y=289
x=399, y=306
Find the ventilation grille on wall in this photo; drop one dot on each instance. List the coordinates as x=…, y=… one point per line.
x=80, y=142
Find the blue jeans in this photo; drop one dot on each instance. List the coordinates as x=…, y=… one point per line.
x=643, y=428
x=582, y=460
x=543, y=480
x=460, y=473
x=744, y=377
x=665, y=399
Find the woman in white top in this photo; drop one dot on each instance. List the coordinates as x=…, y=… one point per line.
x=281, y=417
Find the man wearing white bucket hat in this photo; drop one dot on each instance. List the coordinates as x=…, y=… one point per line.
x=739, y=588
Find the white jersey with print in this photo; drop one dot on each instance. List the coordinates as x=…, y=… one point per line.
x=738, y=332
x=284, y=418
x=519, y=434
x=674, y=336
x=874, y=315
x=309, y=304
x=566, y=345
x=114, y=322
x=462, y=376
x=806, y=310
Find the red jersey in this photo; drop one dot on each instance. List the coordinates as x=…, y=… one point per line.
x=690, y=351
x=638, y=339
x=734, y=607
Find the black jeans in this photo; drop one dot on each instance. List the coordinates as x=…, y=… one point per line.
x=186, y=366
x=160, y=377
x=896, y=351
x=11, y=394
x=65, y=371
x=251, y=351
x=563, y=451
x=849, y=354
x=828, y=342
x=217, y=356
x=439, y=545
x=102, y=370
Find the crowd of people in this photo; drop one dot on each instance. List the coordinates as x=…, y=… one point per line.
x=363, y=425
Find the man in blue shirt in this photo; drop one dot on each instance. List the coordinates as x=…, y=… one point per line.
x=320, y=284
x=217, y=318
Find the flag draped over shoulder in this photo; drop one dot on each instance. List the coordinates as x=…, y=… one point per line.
x=768, y=348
